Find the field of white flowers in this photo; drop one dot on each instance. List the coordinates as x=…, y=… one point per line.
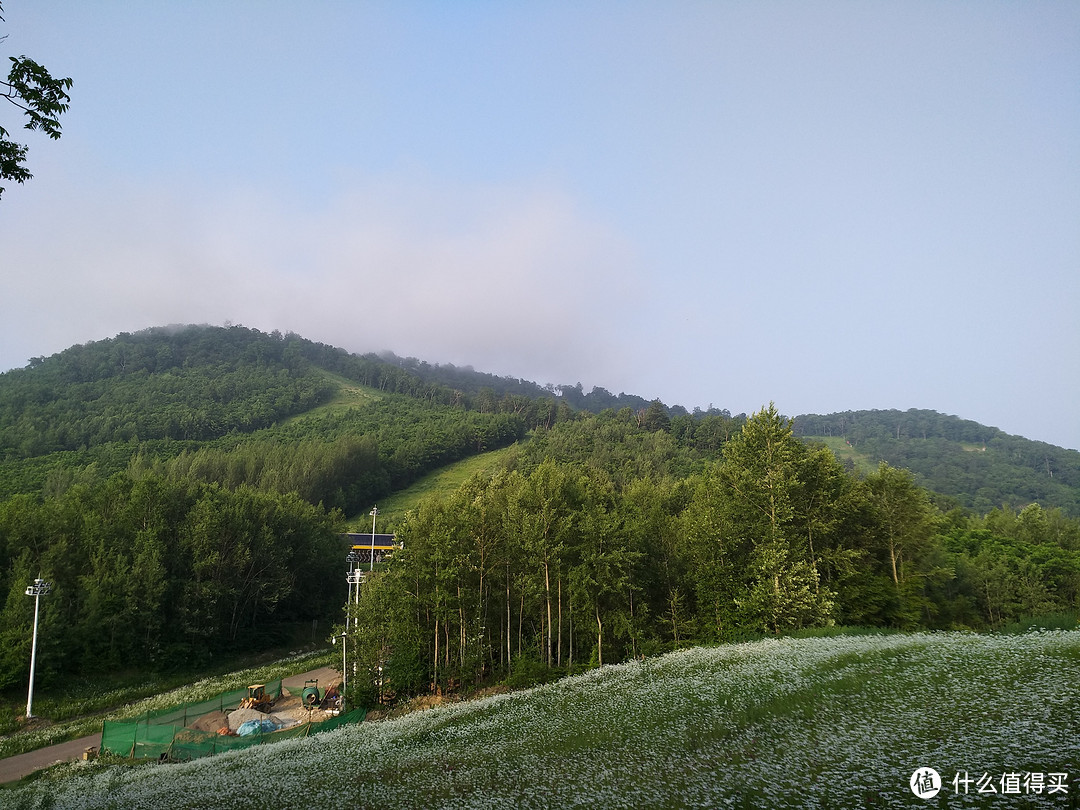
x=825, y=722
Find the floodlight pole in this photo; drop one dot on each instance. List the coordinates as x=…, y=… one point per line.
x=351, y=578
x=374, y=512
x=36, y=590
x=344, y=674
x=356, y=577
x=348, y=599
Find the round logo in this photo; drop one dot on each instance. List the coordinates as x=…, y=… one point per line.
x=925, y=783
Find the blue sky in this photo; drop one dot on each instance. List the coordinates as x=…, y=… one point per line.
x=832, y=205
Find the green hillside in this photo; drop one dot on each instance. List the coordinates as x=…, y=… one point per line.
x=346, y=394
x=182, y=488
x=346, y=429
x=84, y=413
x=849, y=456
x=822, y=722
x=440, y=484
x=971, y=465
x=183, y=491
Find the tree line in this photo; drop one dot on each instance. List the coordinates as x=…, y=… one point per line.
x=589, y=551
x=158, y=573
x=347, y=459
x=605, y=537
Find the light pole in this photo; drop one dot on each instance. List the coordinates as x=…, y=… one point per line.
x=343, y=673
x=374, y=512
x=348, y=599
x=353, y=578
x=37, y=590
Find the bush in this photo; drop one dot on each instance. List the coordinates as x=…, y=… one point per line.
x=1069, y=620
x=527, y=671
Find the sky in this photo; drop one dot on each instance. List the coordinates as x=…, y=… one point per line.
x=826, y=205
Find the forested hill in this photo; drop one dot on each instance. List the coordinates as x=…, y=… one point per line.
x=178, y=487
x=188, y=382
x=172, y=392
x=231, y=403
x=979, y=467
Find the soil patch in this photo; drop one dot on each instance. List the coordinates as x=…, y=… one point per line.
x=210, y=722
x=238, y=717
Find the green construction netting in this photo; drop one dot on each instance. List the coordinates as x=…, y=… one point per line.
x=225, y=702
x=165, y=732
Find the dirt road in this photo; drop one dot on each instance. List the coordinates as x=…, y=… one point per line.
x=16, y=767
x=326, y=676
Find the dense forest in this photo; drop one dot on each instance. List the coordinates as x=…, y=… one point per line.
x=217, y=399
x=183, y=490
x=188, y=383
x=151, y=572
x=468, y=379
x=607, y=539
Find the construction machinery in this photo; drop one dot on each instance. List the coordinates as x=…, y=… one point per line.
x=257, y=699
x=311, y=697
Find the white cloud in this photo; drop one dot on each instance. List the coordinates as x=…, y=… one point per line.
x=517, y=281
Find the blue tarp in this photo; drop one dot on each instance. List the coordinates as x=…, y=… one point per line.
x=256, y=727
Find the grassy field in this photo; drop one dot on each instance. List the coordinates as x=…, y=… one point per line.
x=349, y=395
x=865, y=465
x=440, y=483
x=844, y=721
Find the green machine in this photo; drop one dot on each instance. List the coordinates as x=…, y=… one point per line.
x=311, y=697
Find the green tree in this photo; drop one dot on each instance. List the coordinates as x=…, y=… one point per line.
x=542, y=514
x=1005, y=579
x=650, y=511
x=906, y=522
x=764, y=472
x=384, y=639
x=655, y=417
x=15, y=621
x=716, y=556
x=42, y=99
x=601, y=578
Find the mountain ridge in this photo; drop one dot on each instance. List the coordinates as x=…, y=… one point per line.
x=976, y=466
x=199, y=383
x=467, y=379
